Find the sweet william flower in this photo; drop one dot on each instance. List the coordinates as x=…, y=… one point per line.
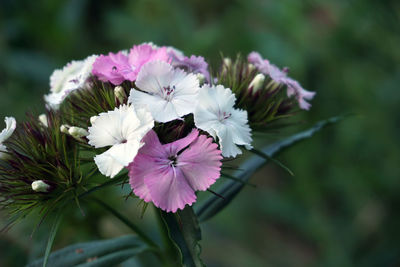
x=123, y=129
x=6, y=133
x=168, y=175
x=168, y=93
x=215, y=114
x=195, y=64
x=63, y=81
x=280, y=76
x=116, y=68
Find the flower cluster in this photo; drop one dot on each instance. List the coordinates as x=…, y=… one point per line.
x=160, y=115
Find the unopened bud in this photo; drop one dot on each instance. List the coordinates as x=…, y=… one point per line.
x=201, y=78
x=227, y=62
x=40, y=186
x=257, y=83
x=93, y=119
x=43, y=120
x=77, y=132
x=119, y=93
x=64, y=128
x=251, y=67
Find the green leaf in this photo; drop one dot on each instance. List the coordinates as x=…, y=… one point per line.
x=184, y=231
x=230, y=189
x=52, y=235
x=96, y=253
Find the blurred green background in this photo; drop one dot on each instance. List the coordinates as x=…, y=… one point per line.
x=342, y=206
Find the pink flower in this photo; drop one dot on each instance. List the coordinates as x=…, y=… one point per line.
x=140, y=55
x=116, y=68
x=280, y=76
x=195, y=64
x=111, y=68
x=168, y=175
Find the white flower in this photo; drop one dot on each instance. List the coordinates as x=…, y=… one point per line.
x=63, y=81
x=167, y=92
x=11, y=124
x=123, y=129
x=215, y=114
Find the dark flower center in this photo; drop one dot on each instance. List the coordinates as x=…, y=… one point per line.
x=173, y=160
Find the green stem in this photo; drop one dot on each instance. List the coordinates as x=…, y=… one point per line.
x=169, y=250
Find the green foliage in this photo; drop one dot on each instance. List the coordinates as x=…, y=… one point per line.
x=96, y=253
x=340, y=209
x=184, y=231
x=229, y=190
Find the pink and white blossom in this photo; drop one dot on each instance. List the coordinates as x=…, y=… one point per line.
x=72, y=77
x=169, y=174
x=215, y=114
x=168, y=93
x=116, y=68
x=122, y=129
x=280, y=76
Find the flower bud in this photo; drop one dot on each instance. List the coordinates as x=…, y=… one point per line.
x=257, y=83
x=77, y=132
x=120, y=94
x=201, y=78
x=251, y=67
x=64, y=128
x=227, y=62
x=43, y=120
x=40, y=186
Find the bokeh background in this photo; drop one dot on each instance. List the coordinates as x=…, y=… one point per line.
x=342, y=206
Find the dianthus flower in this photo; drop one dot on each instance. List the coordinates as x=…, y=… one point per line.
x=123, y=129
x=6, y=133
x=168, y=93
x=63, y=81
x=168, y=175
x=116, y=68
x=215, y=114
x=280, y=76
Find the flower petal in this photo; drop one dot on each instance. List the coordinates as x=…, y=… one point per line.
x=111, y=162
x=169, y=189
x=173, y=148
x=201, y=163
x=11, y=124
x=161, y=110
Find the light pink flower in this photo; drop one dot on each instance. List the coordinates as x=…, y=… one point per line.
x=168, y=175
x=140, y=55
x=116, y=68
x=111, y=68
x=280, y=76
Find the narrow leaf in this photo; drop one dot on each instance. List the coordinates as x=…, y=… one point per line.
x=113, y=251
x=184, y=231
x=230, y=189
x=267, y=157
x=52, y=235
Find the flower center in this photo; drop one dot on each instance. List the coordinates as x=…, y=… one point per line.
x=168, y=92
x=114, y=68
x=173, y=161
x=224, y=116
